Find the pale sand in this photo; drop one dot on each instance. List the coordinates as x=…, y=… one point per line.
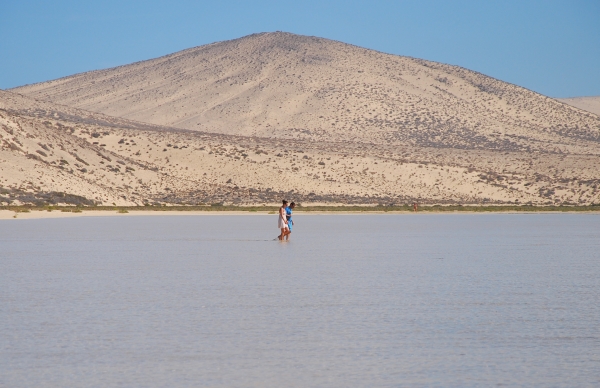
x=39, y=214
x=294, y=113
x=9, y=215
x=282, y=85
x=48, y=154
x=36, y=214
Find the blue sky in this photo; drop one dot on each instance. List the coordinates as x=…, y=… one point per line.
x=552, y=47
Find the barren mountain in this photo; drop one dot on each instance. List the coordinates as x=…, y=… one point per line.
x=590, y=104
x=290, y=86
x=277, y=114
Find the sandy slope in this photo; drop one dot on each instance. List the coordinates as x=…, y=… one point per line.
x=590, y=104
x=277, y=114
x=48, y=149
x=290, y=86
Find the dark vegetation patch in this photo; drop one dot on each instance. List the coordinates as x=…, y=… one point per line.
x=40, y=199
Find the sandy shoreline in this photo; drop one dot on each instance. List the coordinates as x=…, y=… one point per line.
x=37, y=214
x=42, y=214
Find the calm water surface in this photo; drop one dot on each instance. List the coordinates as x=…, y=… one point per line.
x=351, y=301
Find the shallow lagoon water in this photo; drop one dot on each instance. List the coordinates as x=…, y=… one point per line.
x=352, y=300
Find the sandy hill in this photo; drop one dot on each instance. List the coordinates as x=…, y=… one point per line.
x=590, y=104
x=277, y=114
x=51, y=153
x=289, y=86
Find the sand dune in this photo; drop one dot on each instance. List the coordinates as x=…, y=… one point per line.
x=252, y=120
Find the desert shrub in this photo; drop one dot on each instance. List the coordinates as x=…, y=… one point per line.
x=81, y=160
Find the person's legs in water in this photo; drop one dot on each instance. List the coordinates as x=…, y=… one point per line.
x=282, y=222
x=284, y=234
x=289, y=232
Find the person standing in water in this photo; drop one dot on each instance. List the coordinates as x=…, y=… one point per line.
x=282, y=221
x=288, y=215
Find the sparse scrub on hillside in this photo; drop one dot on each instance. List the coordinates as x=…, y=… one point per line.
x=422, y=132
